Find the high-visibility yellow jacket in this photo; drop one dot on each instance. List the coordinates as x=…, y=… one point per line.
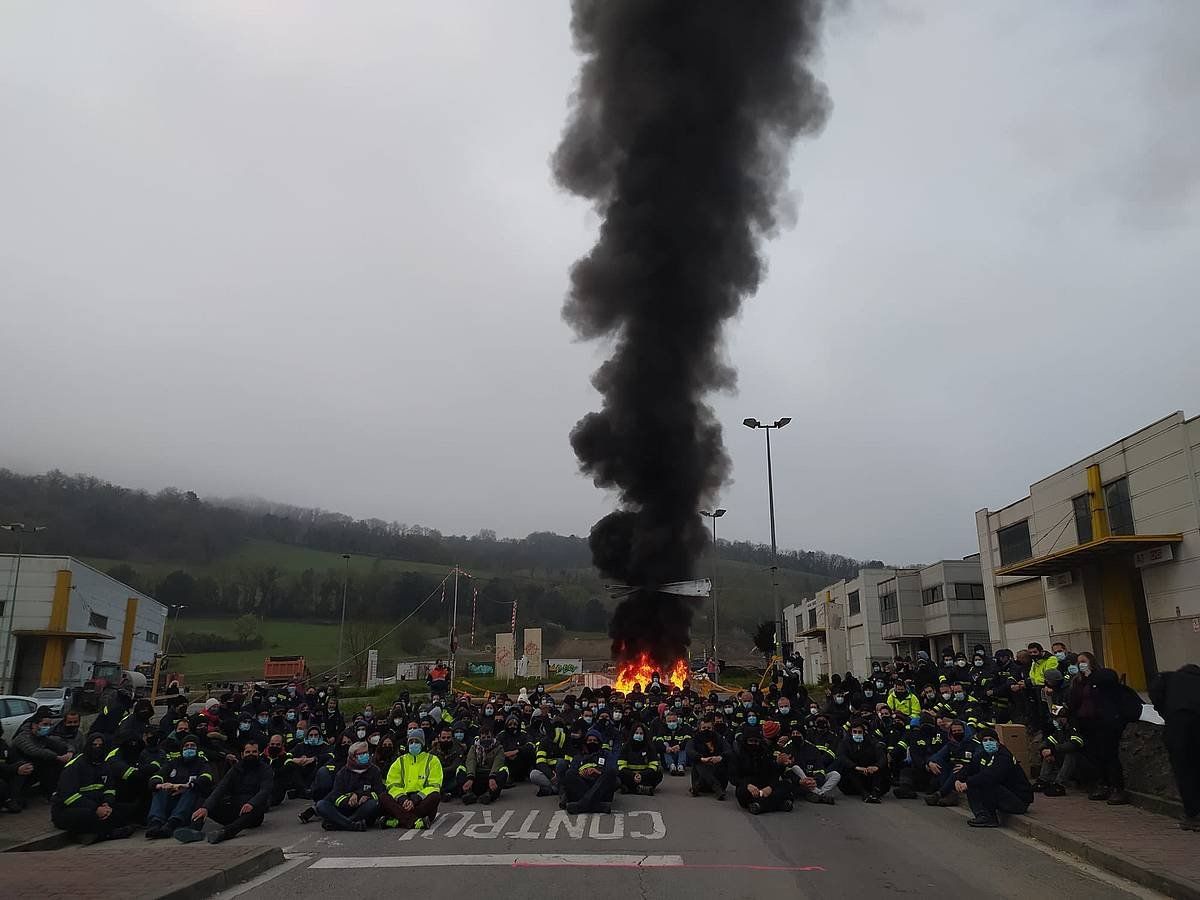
x=908, y=705
x=1039, y=667
x=420, y=774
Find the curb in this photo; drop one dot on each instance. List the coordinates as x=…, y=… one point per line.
x=1111, y=860
x=1160, y=805
x=51, y=840
x=266, y=858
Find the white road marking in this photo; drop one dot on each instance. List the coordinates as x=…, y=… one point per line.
x=509, y=860
x=638, y=824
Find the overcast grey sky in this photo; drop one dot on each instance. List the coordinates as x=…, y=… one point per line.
x=312, y=252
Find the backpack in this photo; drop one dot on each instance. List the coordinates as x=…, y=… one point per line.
x=1129, y=704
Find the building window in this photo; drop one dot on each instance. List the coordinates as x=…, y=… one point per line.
x=98, y=621
x=855, y=605
x=1083, y=518
x=152, y=637
x=1014, y=543
x=888, y=610
x=1120, y=510
x=964, y=591
x=812, y=618
x=932, y=595
x=2, y=602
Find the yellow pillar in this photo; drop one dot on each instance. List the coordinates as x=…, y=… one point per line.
x=131, y=606
x=1122, y=648
x=1096, y=503
x=55, y=652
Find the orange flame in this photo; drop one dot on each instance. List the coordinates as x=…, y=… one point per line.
x=639, y=671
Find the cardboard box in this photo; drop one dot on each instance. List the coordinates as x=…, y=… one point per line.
x=1016, y=739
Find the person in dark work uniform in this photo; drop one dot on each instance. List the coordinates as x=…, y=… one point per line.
x=760, y=786
x=1176, y=696
x=709, y=755
x=239, y=801
x=994, y=783
x=590, y=781
x=863, y=764
x=85, y=802
x=639, y=765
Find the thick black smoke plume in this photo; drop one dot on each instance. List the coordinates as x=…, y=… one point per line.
x=680, y=133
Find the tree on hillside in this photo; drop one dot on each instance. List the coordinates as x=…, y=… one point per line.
x=764, y=638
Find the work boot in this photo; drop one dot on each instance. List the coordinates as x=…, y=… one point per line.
x=307, y=815
x=487, y=798
x=871, y=798
x=932, y=799
x=188, y=835
x=721, y=796
x=948, y=800
x=982, y=821
x=326, y=825
x=604, y=808
x=119, y=833
x=1054, y=790
x=1100, y=793
x=154, y=831
x=12, y=806
x=694, y=791
x=469, y=798
x=573, y=808
x=903, y=792
x=216, y=836
x=787, y=805
x=359, y=826
x=1119, y=798
x=755, y=808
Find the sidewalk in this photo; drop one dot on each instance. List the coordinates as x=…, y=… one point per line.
x=136, y=870
x=1142, y=846
x=33, y=823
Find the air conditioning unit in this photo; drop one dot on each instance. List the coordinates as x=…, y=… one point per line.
x=1061, y=580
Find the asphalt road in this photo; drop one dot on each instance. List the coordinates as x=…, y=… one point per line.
x=670, y=846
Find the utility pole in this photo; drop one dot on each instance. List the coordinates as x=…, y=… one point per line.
x=453, y=629
x=20, y=530
x=342, y=629
x=714, y=515
x=778, y=423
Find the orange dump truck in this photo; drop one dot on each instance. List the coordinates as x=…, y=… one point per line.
x=284, y=668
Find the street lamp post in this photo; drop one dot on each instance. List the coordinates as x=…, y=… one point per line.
x=20, y=529
x=714, y=515
x=778, y=423
x=342, y=629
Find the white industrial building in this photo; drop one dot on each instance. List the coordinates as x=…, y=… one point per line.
x=882, y=613
x=61, y=615
x=1104, y=554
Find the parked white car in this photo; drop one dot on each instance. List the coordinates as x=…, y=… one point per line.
x=56, y=698
x=14, y=710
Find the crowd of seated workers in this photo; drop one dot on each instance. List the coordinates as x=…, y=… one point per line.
x=910, y=728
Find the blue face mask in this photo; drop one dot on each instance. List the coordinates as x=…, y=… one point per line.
x=459, y=735
x=291, y=717
x=857, y=738
x=189, y=752
x=751, y=720
x=990, y=746
x=1072, y=669
x=243, y=726
x=746, y=704
x=43, y=730
x=300, y=734
x=263, y=720
x=415, y=748
x=363, y=759
x=588, y=719
x=672, y=725
x=313, y=741
x=639, y=737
